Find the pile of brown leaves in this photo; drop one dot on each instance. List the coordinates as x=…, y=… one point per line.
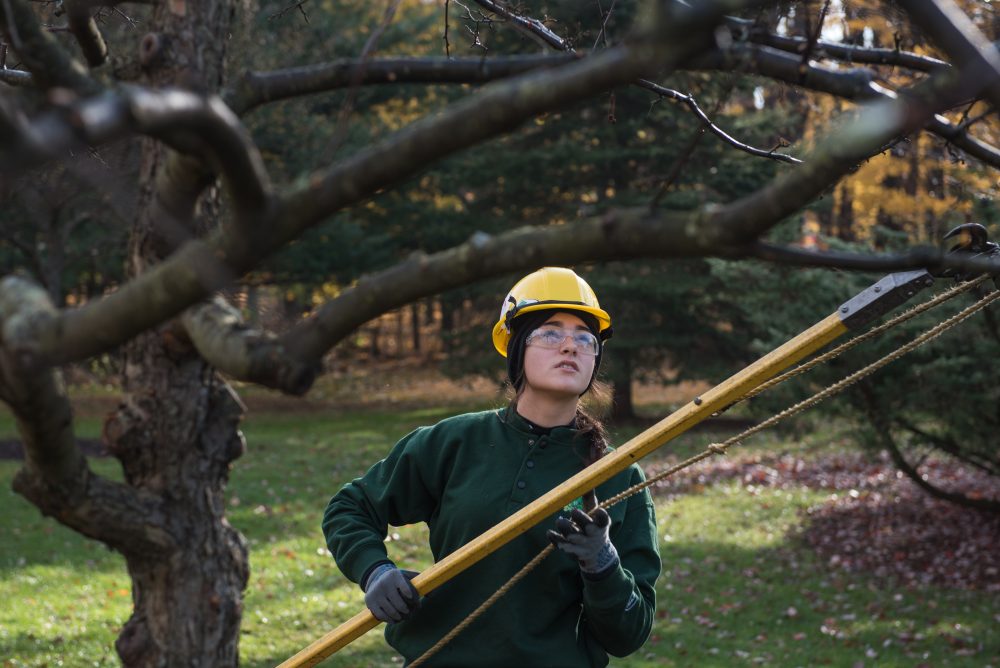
x=877, y=521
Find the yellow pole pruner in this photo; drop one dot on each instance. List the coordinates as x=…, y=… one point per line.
x=878, y=299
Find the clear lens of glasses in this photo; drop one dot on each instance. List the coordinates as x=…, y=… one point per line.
x=552, y=337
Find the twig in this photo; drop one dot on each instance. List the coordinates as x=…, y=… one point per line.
x=688, y=151
x=298, y=5
x=604, y=24
x=814, y=37
x=447, y=45
x=856, y=85
x=348, y=107
x=692, y=104
x=548, y=37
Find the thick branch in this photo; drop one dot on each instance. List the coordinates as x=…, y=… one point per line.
x=921, y=257
x=187, y=121
x=220, y=336
x=256, y=88
x=42, y=55
x=621, y=234
x=55, y=476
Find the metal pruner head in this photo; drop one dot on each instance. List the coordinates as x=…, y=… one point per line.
x=971, y=238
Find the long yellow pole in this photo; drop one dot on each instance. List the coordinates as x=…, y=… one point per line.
x=672, y=426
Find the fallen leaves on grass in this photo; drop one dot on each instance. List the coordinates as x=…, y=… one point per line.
x=877, y=521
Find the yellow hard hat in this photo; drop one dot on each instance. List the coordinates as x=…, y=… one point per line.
x=548, y=288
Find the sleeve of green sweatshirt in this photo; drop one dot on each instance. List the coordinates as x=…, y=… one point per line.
x=397, y=490
x=619, y=608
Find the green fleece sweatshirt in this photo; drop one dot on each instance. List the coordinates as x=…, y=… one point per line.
x=463, y=476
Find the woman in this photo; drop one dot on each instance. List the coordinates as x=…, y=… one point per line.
x=594, y=596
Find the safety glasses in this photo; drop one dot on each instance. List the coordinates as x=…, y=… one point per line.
x=552, y=337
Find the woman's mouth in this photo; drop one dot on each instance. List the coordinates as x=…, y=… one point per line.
x=568, y=365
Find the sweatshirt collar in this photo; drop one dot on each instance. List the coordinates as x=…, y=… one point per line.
x=563, y=434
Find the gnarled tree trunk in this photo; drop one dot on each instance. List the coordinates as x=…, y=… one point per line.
x=177, y=432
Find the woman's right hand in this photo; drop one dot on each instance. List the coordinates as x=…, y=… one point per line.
x=390, y=595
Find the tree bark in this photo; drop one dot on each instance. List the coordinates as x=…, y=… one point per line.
x=176, y=432
x=622, y=406
x=415, y=326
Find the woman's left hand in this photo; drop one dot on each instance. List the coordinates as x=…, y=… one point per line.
x=586, y=537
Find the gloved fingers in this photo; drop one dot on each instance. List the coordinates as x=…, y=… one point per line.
x=590, y=500
x=574, y=550
x=385, y=613
x=592, y=524
x=392, y=597
x=401, y=592
x=580, y=539
x=555, y=537
x=581, y=519
x=409, y=574
x=566, y=527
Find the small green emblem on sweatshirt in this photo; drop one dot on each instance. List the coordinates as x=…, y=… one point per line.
x=576, y=503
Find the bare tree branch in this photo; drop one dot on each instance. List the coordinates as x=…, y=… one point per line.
x=85, y=30
x=344, y=115
x=959, y=37
x=692, y=104
x=42, y=55
x=842, y=151
x=619, y=234
x=533, y=28
x=911, y=471
x=920, y=257
x=813, y=38
x=200, y=267
x=749, y=30
x=298, y=5
x=856, y=84
x=16, y=77
x=55, y=476
x=220, y=336
x=187, y=121
x=544, y=35
x=256, y=88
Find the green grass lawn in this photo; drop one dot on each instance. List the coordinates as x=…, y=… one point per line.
x=737, y=589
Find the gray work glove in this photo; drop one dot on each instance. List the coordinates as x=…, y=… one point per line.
x=389, y=594
x=586, y=538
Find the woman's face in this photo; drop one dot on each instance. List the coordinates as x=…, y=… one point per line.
x=566, y=369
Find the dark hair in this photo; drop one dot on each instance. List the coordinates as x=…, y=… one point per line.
x=524, y=325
